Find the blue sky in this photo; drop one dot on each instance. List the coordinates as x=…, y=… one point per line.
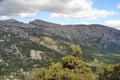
x=106, y=12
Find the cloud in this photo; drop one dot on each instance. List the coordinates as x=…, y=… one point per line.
x=27, y=15
x=4, y=17
x=17, y=8
x=66, y=9
x=118, y=6
x=113, y=23
x=86, y=23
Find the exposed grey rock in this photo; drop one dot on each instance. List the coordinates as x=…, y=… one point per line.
x=37, y=55
x=94, y=35
x=97, y=36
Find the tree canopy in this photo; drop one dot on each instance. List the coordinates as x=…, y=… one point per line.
x=76, y=50
x=71, y=68
x=113, y=74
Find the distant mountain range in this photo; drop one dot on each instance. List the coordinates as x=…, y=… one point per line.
x=26, y=46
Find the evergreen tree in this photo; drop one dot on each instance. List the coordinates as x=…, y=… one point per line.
x=110, y=74
x=76, y=50
x=71, y=68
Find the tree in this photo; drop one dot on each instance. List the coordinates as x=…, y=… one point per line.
x=71, y=68
x=76, y=50
x=110, y=74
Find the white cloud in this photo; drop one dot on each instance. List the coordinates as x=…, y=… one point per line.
x=113, y=23
x=4, y=17
x=27, y=15
x=66, y=9
x=118, y=6
x=86, y=23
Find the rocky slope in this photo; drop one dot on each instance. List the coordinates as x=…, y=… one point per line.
x=102, y=36
x=99, y=37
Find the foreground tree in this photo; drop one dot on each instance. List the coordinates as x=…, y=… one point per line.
x=110, y=74
x=71, y=68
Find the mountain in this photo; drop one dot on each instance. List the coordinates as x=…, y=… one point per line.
x=24, y=47
x=97, y=36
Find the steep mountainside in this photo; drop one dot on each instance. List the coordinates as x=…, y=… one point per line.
x=24, y=47
x=99, y=37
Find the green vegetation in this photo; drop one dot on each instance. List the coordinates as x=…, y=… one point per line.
x=76, y=50
x=113, y=74
x=49, y=41
x=71, y=68
x=54, y=49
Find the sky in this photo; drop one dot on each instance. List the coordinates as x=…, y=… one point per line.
x=105, y=12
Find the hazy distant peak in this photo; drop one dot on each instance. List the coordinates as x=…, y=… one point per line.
x=38, y=22
x=11, y=20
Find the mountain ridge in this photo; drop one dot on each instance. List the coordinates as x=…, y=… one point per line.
x=40, y=22
x=84, y=32
x=90, y=35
